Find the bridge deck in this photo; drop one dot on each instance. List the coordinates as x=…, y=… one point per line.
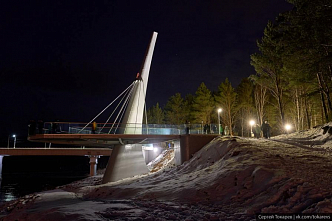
x=55, y=151
x=101, y=140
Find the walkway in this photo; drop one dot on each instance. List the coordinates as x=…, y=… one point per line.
x=110, y=134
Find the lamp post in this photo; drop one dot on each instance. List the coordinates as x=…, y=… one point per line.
x=14, y=136
x=219, y=111
x=251, y=124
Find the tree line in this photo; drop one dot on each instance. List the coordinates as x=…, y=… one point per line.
x=292, y=83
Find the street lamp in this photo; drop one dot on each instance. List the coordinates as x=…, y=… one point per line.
x=14, y=136
x=252, y=122
x=288, y=127
x=219, y=111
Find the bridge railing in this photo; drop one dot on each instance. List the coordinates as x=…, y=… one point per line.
x=115, y=128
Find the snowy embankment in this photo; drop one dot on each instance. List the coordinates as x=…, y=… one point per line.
x=230, y=178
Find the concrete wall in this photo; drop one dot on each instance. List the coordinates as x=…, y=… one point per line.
x=190, y=144
x=177, y=153
x=150, y=155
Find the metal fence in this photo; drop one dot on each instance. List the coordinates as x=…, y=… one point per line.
x=114, y=128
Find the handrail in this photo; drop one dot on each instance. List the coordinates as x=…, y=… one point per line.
x=117, y=128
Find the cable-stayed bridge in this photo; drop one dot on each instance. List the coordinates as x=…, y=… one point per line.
x=126, y=130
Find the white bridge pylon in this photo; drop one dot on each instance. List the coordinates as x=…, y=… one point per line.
x=133, y=117
x=127, y=161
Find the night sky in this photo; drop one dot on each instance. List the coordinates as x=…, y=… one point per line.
x=67, y=60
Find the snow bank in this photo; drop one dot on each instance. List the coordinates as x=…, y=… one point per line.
x=244, y=173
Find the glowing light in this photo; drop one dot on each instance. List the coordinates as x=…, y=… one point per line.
x=288, y=127
x=252, y=122
x=14, y=135
x=219, y=110
x=128, y=147
x=147, y=147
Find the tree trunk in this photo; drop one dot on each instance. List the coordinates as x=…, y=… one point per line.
x=322, y=97
x=260, y=100
x=277, y=92
x=328, y=66
x=242, y=123
x=327, y=93
x=230, y=122
x=297, y=109
x=307, y=112
x=281, y=109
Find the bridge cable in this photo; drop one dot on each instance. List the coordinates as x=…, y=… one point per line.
x=146, y=113
x=123, y=112
x=115, y=121
x=125, y=95
x=125, y=104
x=106, y=108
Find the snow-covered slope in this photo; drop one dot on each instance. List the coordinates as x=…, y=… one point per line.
x=230, y=178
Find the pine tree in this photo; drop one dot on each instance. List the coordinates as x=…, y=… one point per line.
x=227, y=100
x=268, y=65
x=245, y=104
x=309, y=41
x=202, y=105
x=175, y=111
x=155, y=115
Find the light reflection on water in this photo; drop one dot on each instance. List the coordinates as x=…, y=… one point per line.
x=7, y=193
x=24, y=175
x=8, y=196
x=19, y=185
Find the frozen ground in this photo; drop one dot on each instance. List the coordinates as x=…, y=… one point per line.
x=231, y=178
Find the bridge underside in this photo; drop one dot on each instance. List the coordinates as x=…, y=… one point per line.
x=67, y=151
x=127, y=157
x=102, y=140
x=127, y=160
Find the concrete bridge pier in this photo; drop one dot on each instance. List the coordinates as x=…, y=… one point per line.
x=93, y=164
x=125, y=161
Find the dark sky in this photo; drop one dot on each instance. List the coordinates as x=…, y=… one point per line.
x=68, y=59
